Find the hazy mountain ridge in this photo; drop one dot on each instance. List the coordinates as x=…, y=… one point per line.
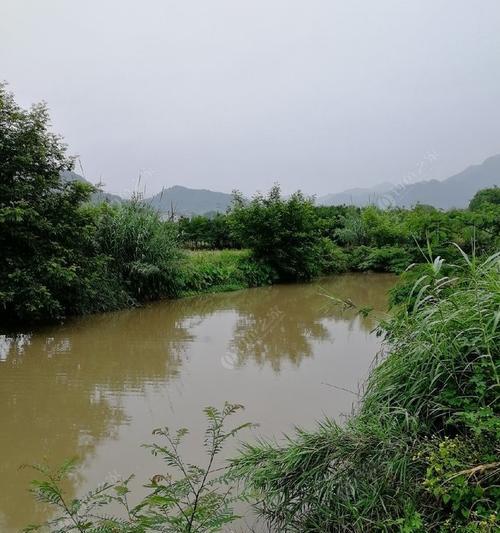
x=181, y=200
x=358, y=196
x=455, y=191
x=96, y=197
x=185, y=201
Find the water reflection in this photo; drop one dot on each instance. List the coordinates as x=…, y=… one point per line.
x=69, y=390
x=271, y=330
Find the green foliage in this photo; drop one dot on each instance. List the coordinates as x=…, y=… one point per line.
x=59, y=255
x=351, y=231
x=384, y=228
x=283, y=234
x=210, y=271
x=332, y=259
x=45, y=238
x=143, y=249
x=187, y=498
x=458, y=476
x=421, y=453
x=363, y=231
x=385, y=259
x=314, y=240
x=211, y=233
x=485, y=198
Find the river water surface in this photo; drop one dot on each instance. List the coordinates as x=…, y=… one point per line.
x=95, y=387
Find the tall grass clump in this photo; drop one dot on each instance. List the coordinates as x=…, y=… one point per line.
x=222, y=270
x=143, y=249
x=421, y=453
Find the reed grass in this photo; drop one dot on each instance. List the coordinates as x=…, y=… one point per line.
x=428, y=418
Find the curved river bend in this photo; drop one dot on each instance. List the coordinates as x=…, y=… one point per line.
x=95, y=387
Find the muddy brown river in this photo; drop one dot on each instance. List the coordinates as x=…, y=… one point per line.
x=95, y=387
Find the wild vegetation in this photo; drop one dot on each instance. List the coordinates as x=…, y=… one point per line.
x=298, y=240
x=63, y=256
x=222, y=270
x=421, y=451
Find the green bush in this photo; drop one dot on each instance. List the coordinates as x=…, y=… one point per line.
x=332, y=259
x=457, y=477
x=206, y=232
x=143, y=249
x=386, y=259
x=485, y=198
x=284, y=234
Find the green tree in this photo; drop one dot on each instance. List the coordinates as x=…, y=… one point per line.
x=485, y=197
x=283, y=233
x=210, y=231
x=45, y=239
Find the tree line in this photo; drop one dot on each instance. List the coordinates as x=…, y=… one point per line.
x=62, y=256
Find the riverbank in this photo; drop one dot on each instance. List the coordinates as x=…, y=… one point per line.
x=421, y=453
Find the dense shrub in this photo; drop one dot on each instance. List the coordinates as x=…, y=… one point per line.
x=386, y=259
x=351, y=231
x=332, y=259
x=283, y=233
x=485, y=198
x=59, y=255
x=209, y=232
x=143, y=249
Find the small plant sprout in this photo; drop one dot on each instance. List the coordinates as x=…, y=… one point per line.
x=186, y=498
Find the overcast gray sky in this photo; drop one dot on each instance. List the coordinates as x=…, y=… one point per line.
x=319, y=95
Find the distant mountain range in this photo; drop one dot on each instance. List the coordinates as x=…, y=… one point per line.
x=358, y=196
x=185, y=201
x=455, y=191
x=98, y=196
x=180, y=200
